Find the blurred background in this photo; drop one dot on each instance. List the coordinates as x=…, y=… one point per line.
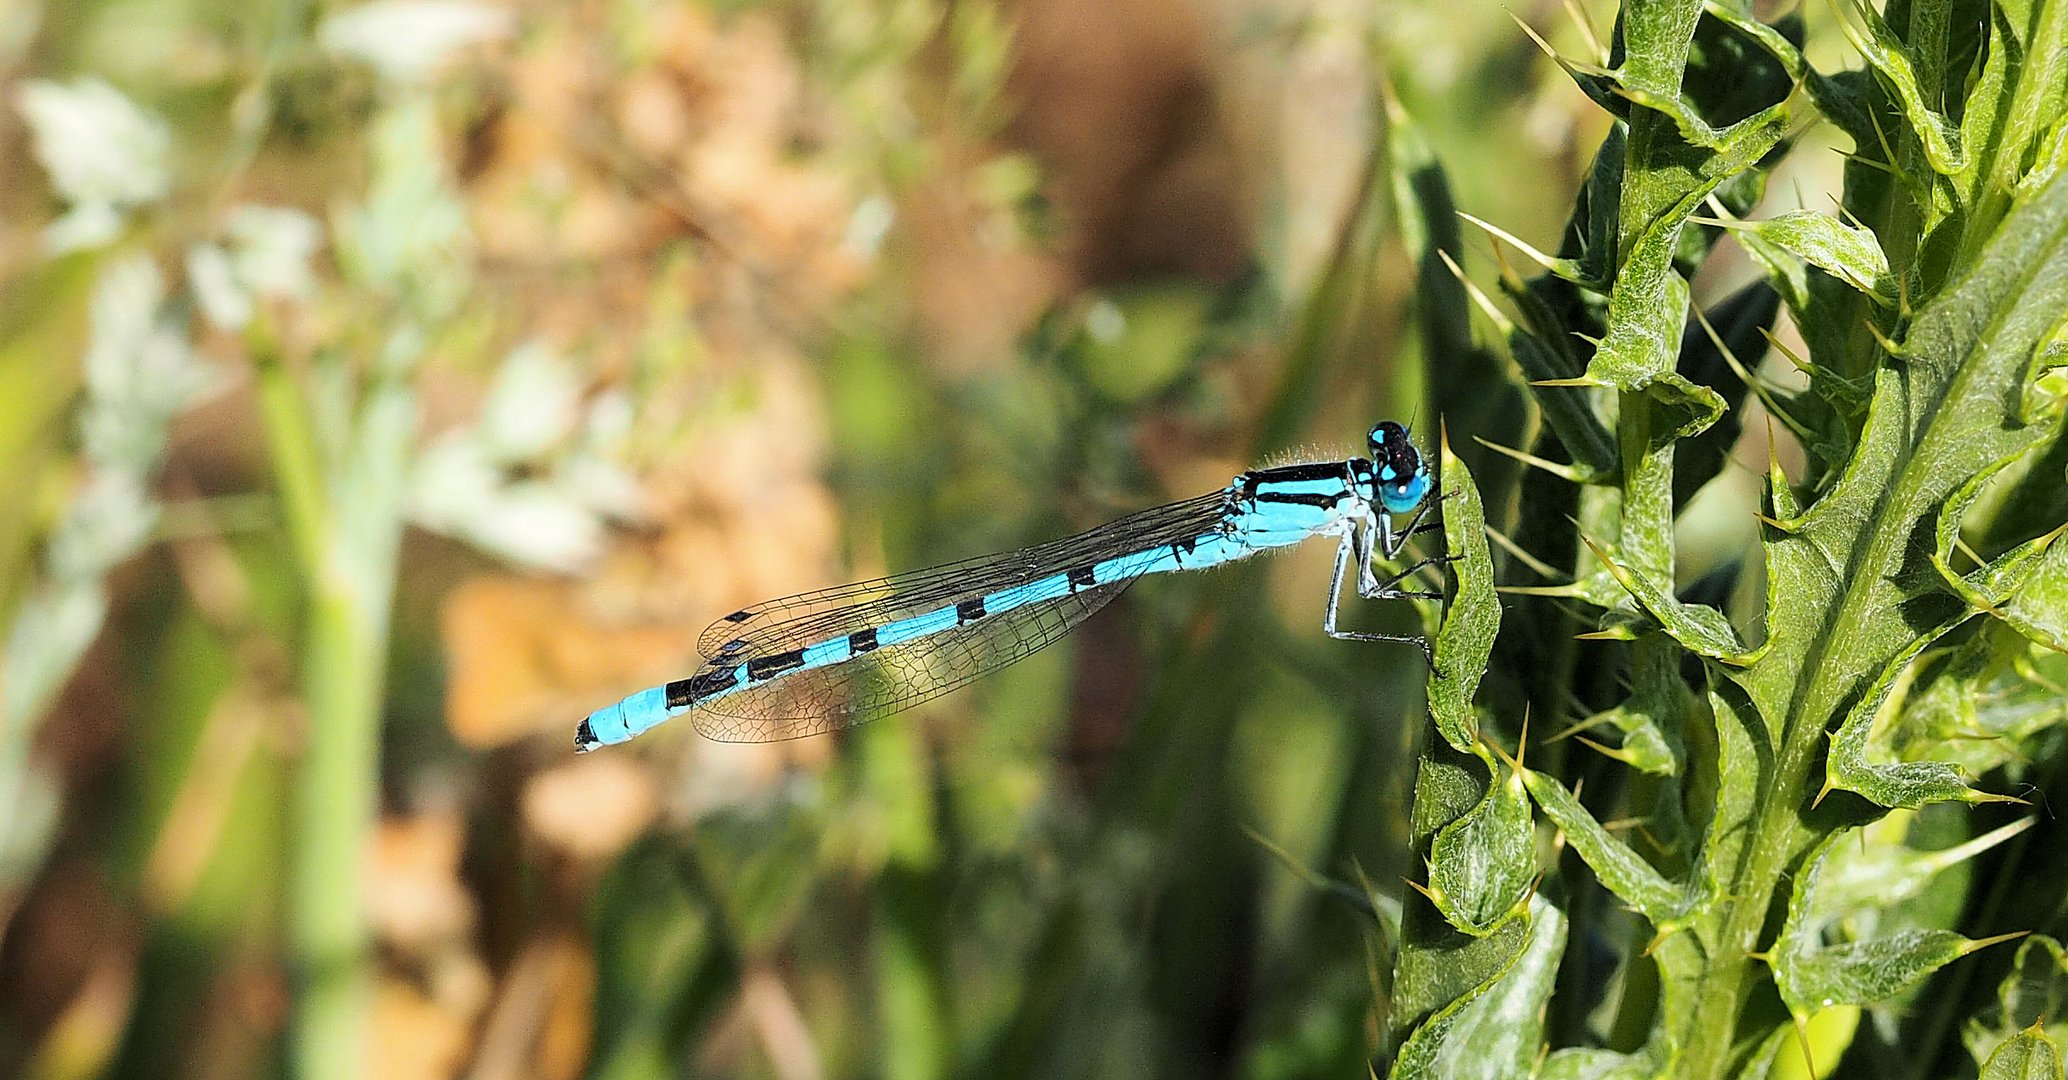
x=384, y=386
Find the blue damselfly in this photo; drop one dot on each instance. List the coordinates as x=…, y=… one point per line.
x=830, y=659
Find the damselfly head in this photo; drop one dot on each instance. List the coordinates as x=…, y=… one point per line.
x=1400, y=477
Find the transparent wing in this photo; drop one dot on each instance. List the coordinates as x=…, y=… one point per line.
x=791, y=622
x=895, y=677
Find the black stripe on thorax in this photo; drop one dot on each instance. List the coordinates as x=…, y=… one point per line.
x=769, y=666
x=1319, y=470
x=1297, y=499
x=969, y=611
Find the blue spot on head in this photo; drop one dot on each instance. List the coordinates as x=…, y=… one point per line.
x=1387, y=439
x=1403, y=477
x=1405, y=495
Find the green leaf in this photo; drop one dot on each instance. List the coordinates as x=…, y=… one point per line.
x=1884, y=872
x=1441, y=969
x=2026, y=586
x=1893, y=783
x=1439, y=966
x=1960, y=434
x=1622, y=871
x=1862, y=972
x=2033, y=995
x=1813, y=976
x=1785, y=272
x=1649, y=302
x=1495, y=1030
x=1893, y=63
x=1591, y=1063
x=1712, y=355
x=1643, y=746
x=1472, y=618
x=1438, y=963
x=1694, y=130
x=1847, y=592
x=1979, y=706
x=1851, y=255
x=2006, y=117
x=1656, y=38
x=2038, y=608
x=1734, y=785
x=1701, y=629
x=2030, y=1055
x=1481, y=865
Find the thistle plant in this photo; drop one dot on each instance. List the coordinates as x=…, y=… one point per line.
x=1726, y=824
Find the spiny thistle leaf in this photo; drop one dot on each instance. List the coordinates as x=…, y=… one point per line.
x=1893, y=783
x=1863, y=972
x=1912, y=581
x=1438, y=965
x=1649, y=302
x=1457, y=814
x=1976, y=706
x=2018, y=94
x=2039, y=609
x=1743, y=768
x=1713, y=353
x=1848, y=586
x=1693, y=129
x=1494, y=1030
x=1465, y=638
x=1643, y=747
x=2029, y=1055
x=1893, y=62
x=2032, y=996
x=1886, y=871
x=1851, y=255
x=1481, y=865
x=1702, y=630
x=1440, y=969
x=2005, y=577
x=1621, y=869
x=1813, y=976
